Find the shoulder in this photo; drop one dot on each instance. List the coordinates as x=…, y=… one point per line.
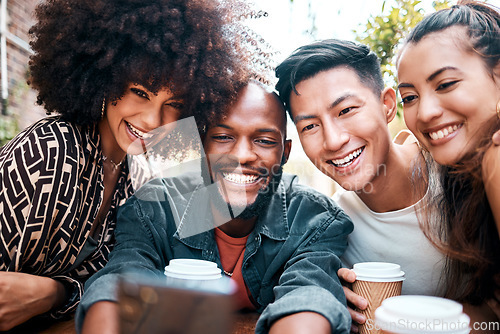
x=50, y=134
x=296, y=192
x=50, y=139
x=157, y=195
x=309, y=206
x=405, y=137
x=491, y=163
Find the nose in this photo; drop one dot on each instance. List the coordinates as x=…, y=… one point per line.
x=152, y=117
x=428, y=109
x=334, y=137
x=243, y=150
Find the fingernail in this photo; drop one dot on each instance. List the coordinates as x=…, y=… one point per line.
x=363, y=303
x=360, y=319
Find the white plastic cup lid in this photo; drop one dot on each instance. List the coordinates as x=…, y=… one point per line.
x=422, y=314
x=378, y=272
x=192, y=269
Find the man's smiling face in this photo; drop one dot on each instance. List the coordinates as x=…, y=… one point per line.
x=342, y=126
x=247, y=147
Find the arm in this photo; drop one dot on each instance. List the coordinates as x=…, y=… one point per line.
x=102, y=317
x=140, y=242
x=309, y=283
x=38, y=295
x=491, y=179
x=348, y=277
x=35, y=173
x=303, y=322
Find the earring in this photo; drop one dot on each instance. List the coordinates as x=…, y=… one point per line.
x=498, y=109
x=103, y=107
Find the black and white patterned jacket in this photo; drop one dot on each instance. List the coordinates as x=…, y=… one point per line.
x=51, y=188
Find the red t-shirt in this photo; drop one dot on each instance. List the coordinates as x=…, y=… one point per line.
x=231, y=251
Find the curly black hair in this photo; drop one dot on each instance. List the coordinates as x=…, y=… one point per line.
x=89, y=50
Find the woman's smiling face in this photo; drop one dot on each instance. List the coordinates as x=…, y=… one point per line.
x=137, y=113
x=448, y=94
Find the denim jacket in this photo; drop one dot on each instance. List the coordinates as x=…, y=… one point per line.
x=291, y=257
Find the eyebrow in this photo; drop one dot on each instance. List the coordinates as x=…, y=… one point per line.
x=330, y=107
x=431, y=77
x=264, y=130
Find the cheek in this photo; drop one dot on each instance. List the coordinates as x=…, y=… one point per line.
x=311, y=145
x=410, y=118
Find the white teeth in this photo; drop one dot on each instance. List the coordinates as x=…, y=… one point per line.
x=348, y=159
x=443, y=132
x=138, y=132
x=240, y=178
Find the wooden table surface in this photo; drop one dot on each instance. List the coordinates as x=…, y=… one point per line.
x=244, y=324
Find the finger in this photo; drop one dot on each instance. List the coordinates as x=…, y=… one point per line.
x=354, y=328
x=347, y=275
x=355, y=299
x=496, y=138
x=357, y=318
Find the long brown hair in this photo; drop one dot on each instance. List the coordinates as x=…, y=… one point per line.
x=458, y=219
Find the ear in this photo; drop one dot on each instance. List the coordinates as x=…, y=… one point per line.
x=496, y=73
x=388, y=97
x=286, y=150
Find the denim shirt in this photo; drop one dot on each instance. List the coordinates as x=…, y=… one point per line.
x=290, y=261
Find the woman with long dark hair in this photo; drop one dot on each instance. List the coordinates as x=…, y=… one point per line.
x=449, y=81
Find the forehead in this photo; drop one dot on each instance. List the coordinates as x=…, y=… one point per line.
x=333, y=80
x=446, y=45
x=256, y=108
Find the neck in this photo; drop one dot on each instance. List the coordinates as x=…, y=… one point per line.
x=393, y=189
x=238, y=228
x=109, y=145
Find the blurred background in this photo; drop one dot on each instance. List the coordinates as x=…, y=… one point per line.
x=284, y=24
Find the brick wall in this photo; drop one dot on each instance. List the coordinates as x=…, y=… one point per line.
x=21, y=101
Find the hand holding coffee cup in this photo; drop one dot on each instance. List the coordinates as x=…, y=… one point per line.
x=355, y=303
x=376, y=281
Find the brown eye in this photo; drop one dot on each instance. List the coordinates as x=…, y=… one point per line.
x=140, y=93
x=408, y=99
x=176, y=105
x=308, y=127
x=446, y=85
x=345, y=111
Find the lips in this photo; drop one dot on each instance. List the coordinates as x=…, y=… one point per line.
x=241, y=178
x=137, y=133
x=444, y=132
x=348, y=159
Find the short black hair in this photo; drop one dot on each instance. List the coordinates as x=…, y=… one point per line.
x=308, y=60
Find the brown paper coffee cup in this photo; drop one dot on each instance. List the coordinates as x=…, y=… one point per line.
x=376, y=281
x=374, y=293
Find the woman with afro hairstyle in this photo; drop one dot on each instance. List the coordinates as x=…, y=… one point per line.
x=110, y=71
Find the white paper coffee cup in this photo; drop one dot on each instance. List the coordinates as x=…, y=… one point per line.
x=378, y=272
x=421, y=315
x=193, y=273
x=376, y=281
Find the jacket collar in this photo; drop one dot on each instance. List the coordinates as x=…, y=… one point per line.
x=195, y=223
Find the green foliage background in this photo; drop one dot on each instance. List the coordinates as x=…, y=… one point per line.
x=385, y=32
